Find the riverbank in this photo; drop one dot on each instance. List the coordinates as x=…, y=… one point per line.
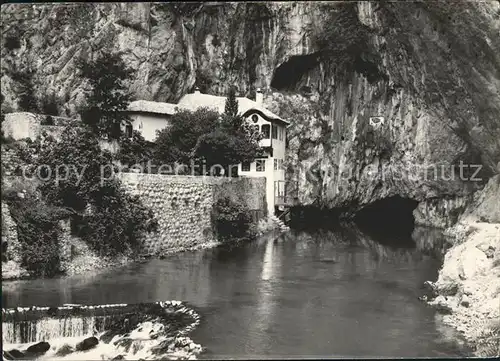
x=468, y=287
x=467, y=291
x=86, y=261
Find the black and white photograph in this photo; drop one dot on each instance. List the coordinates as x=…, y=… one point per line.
x=250, y=180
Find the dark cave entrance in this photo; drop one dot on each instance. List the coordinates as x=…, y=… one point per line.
x=388, y=220
x=288, y=75
x=312, y=217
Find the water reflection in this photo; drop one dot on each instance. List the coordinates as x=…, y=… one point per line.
x=320, y=294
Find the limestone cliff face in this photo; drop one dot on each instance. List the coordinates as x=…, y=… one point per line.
x=433, y=73
x=430, y=69
x=171, y=46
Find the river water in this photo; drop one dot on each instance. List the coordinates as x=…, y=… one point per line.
x=319, y=294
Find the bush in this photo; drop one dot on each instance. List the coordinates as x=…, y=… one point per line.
x=176, y=143
x=117, y=220
x=225, y=147
x=232, y=221
x=38, y=232
x=27, y=100
x=233, y=140
x=49, y=105
x=135, y=150
x=48, y=120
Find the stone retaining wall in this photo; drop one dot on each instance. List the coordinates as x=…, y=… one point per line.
x=183, y=205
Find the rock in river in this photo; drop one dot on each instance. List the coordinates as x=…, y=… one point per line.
x=64, y=350
x=40, y=347
x=13, y=354
x=87, y=344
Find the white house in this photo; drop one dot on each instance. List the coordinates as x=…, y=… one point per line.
x=273, y=130
x=148, y=117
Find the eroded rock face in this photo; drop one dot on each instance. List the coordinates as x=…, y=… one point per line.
x=171, y=46
x=431, y=70
x=435, y=91
x=469, y=280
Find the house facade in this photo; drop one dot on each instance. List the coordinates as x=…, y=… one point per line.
x=148, y=117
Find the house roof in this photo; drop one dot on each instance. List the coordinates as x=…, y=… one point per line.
x=145, y=106
x=245, y=106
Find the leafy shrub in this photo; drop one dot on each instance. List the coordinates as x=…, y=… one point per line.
x=203, y=80
x=49, y=105
x=29, y=150
x=232, y=221
x=225, y=147
x=135, y=150
x=176, y=143
x=38, y=232
x=27, y=100
x=117, y=220
x=48, y=120
x=233, y=140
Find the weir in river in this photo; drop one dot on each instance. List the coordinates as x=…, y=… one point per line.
x=150, y=328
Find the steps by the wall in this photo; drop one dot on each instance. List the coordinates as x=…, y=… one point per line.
x=281, y=225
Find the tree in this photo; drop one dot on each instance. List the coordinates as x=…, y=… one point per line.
x=232, y=220
x=232, y=142
x=231, y=106
x=109, y=97
x=135, y=150
x=49, y=105
x=176, y=142
x=27, y=100
x=225, y=147
x=116, y=220
x=77, y=153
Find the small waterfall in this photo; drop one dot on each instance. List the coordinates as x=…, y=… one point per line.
x=47, y=328
x=148, y=331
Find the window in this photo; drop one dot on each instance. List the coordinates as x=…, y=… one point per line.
x=280, y=133
x=245, y=167
x=128, y=131
x=266, y=130
x=276, y=164
x=255, y=118
x=260, y=165
x=275, y=131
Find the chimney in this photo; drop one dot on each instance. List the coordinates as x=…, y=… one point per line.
x=259, y=97
x=197, y=90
